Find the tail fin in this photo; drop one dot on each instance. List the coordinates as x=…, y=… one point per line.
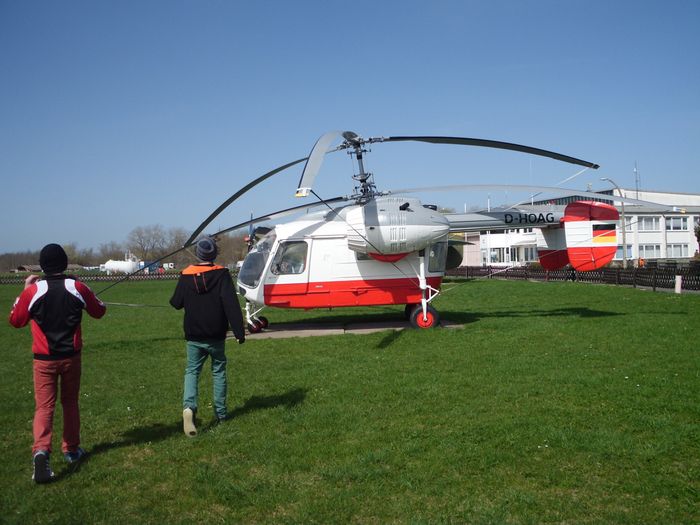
x=587, y=241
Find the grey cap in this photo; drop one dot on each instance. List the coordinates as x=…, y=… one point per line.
x=206, y=249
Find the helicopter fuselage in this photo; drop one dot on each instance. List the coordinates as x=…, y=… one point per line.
x=356, y=255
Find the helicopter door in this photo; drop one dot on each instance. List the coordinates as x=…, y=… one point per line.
x=288, y=278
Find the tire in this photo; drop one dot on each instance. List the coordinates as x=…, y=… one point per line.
x=431, y=321
x=264, y=321
x=255, y=327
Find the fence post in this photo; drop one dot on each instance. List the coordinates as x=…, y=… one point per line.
x=679, y=283
x=653, y=280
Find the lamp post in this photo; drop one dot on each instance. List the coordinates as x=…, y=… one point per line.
x=624, y=222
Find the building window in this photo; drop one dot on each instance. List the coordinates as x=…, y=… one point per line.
x=650, y=251
x=677, y=251
x=618, y=253
x=677, y=224
x=496, y=255
x=649, y=224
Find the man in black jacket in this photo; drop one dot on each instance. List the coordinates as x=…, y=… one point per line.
x=207, y=293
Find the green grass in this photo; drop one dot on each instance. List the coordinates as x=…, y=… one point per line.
x=556, y=403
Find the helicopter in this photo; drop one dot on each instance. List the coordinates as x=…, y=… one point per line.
x=375, y=247
x=379, y=247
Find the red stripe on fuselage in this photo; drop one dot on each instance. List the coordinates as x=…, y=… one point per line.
x=331, y=294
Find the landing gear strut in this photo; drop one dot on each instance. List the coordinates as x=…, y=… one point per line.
x=255, y=324
x=423, y=315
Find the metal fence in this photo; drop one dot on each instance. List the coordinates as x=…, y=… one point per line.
x=19, y=279
x=643, y=277
x=654, y=278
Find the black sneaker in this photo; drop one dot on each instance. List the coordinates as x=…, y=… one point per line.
x=188, y=422
x=42, y=468
x=74, y=457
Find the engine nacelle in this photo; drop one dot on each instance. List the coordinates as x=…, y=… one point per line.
x=586, y=238
x=387, y=228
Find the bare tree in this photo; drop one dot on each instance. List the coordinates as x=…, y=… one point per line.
x=176, y=239
x=232, y=248
x=147, y=242
x=111, y=250
x=10, y=261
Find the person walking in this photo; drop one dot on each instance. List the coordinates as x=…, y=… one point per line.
x=207, y=294
x=54, y=305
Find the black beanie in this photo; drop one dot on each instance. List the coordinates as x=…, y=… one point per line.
x=206, y=249
x=53, y=259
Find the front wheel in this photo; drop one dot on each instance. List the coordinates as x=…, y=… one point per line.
x=431, y=320
x=255, y=327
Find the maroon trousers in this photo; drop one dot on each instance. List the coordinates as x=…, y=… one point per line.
x=47, y=376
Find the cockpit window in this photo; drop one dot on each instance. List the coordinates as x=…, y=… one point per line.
x=290, y=258
x=254, y=262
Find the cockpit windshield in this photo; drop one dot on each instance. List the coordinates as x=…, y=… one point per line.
x=254, y=263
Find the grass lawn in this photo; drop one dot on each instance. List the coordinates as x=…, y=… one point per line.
x=556, y=403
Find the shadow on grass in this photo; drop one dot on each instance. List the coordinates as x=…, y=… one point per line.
x=135, y=342
x=364, y=314
x=390, y=338
x=471, y=317
x=160, y=431
x=288, y=400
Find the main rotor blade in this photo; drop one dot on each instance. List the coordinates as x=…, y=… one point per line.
x=485, y=143
x=527, y=188
x=233, y=197
x=270, y=216
x=314, y=162
x=282, y=213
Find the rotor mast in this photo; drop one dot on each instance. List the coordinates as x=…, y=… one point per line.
x=355, y=144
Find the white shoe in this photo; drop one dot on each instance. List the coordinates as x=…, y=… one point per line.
x=188, y=422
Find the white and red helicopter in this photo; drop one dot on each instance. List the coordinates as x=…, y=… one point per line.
x=376, y=247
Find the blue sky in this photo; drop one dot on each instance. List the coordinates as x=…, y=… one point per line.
x=115, y=115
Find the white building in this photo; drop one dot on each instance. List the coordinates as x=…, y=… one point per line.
x=651, y=233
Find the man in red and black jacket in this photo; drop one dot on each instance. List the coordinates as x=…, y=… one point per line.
x=54, y=306
x=206, y=292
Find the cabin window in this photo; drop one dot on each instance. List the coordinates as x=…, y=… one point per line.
x=254, y=262
x=437, y=257
x=290, y=258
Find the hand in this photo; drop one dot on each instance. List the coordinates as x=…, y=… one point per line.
x=30, y=281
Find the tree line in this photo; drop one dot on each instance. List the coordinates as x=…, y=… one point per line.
x=148, y=243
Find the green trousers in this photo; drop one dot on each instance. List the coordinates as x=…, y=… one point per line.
x=197, y=353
